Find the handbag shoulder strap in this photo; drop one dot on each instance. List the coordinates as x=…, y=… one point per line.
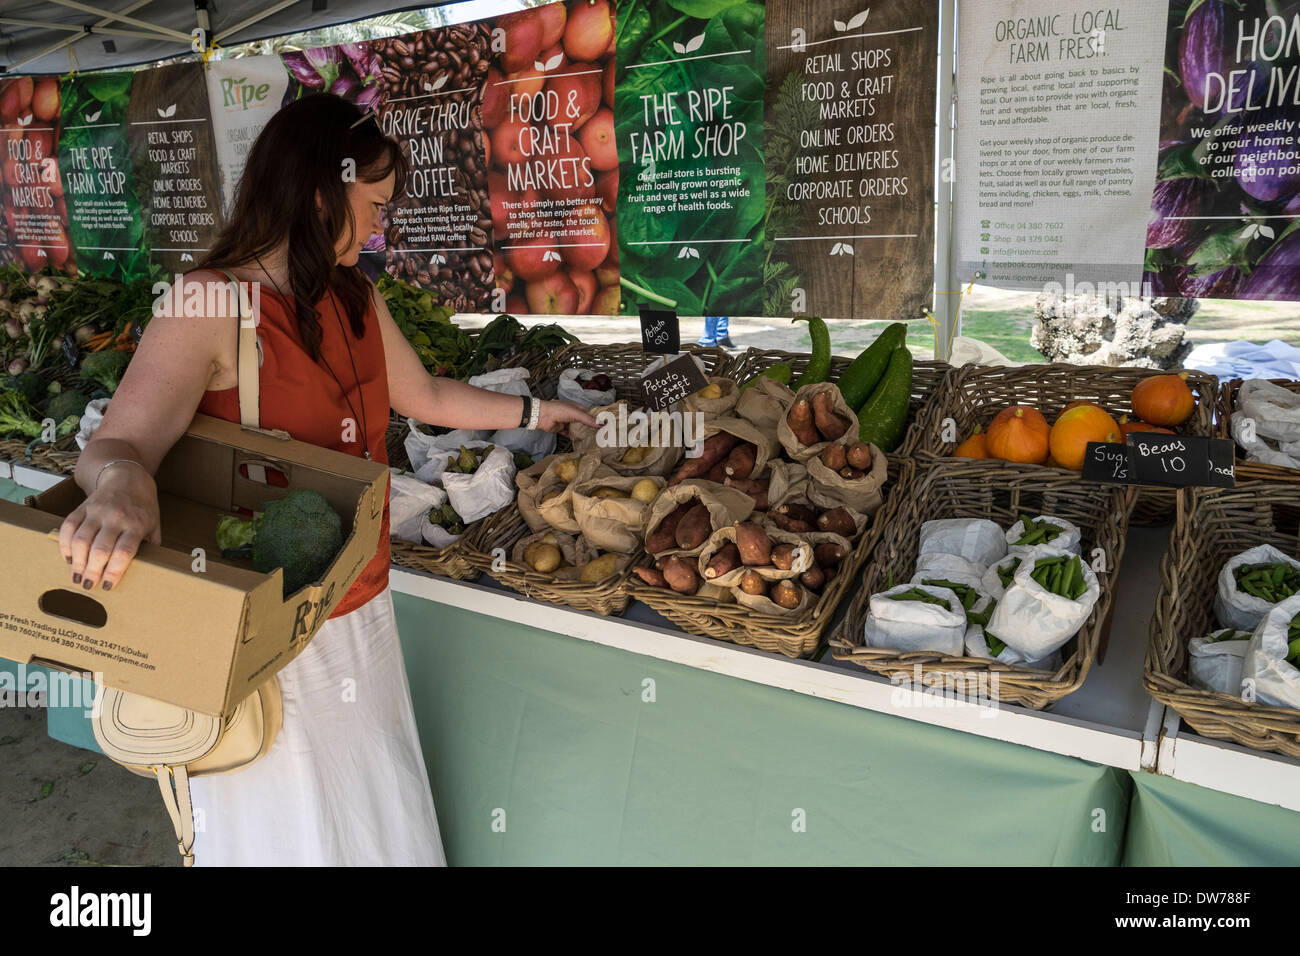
x=248, y=369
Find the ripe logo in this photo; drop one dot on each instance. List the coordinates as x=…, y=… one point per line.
x=242, y=94
x=109, y=255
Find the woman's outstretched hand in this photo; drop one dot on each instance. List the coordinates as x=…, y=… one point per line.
x=557, y=414
x=102, y=535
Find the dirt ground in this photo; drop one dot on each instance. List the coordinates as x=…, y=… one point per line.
x=64, y=806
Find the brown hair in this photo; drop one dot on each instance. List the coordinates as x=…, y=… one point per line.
x=302, y=152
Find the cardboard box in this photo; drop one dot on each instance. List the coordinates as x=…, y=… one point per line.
x=194, y=630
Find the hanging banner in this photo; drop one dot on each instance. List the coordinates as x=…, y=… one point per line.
x=104, y=219
x=174, y=161
x=242, y=95
x=1056, y=148
x=1227, y=196
x=689, y=122
x=35, y=214
x=850, y=157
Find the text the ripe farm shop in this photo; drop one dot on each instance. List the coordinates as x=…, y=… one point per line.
x=709, y=111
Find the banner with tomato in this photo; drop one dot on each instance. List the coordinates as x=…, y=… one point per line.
x=35, y=214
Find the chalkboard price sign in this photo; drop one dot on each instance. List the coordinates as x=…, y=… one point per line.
x=1182, y=460
x=660, y=332
x=1109, y=463
x=673, y=382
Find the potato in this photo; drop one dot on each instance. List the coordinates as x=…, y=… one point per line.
x=859, y=456
x=828, y=554
x=754, y=544
x=550, y=538
x=645, y=490
x=751, y=582
x=651, y=576
x=814, y=579
x=741, y=460
x=694, y=528
x=792, y=525
x=664, y=536
x=833, y=457
x=566, y=471
x=680, y=574
x=783, y=556
x=605, y=492
x=634, y=455
x=786, y=594
x=717, y=473
x=830, y=423
x=548, y=495
x=599, y=569
x=712, y=390
x=838, y=521
x=545, y=558
x=726, y=560
x=798, y=512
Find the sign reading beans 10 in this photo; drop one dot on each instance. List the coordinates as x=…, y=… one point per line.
x=580, y=157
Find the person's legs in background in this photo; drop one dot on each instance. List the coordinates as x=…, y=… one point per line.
x=710, y=334
x=720, y=333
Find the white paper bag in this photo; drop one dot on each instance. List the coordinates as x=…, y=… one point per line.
x=939, y=563
x=569, y=387
x=1068, y=540
x=487, y=491
x=409, y=503
x=992, y=581
x=90, y=421
x=977, y=645
x=975, y=539
x=1265, y=670
x=1216, y=664
x=915, y=625
x=420, y=448
x=1234, y=608
x=1032, y=619
x=514, y=381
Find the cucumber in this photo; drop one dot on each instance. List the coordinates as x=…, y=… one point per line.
x=819, y=365
x=861, y=378
x=781, y=372
x=884, y=417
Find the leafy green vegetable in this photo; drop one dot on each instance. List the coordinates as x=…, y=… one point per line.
x=104, y=369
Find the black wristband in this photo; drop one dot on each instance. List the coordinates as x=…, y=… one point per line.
x=528, y=412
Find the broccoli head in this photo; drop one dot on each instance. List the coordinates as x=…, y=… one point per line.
x=300, y=533
x=27, y=384
x=66, y=403
x=17, y=418
x=104, y=369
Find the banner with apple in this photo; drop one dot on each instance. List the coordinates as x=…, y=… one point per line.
x=35, y=214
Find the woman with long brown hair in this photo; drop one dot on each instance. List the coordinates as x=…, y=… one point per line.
x=345, y=782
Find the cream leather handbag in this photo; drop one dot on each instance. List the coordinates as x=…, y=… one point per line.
x=156, y=739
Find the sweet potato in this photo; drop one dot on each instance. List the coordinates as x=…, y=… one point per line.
x=828, y=422
x=838, y=521
x=717, y=473
x=859, y=455
x=828, y=554
x=651, y=576
x=800, y=420
x=694, y=527
x=852, y=474
x=755, y=489
x=664, y=536
x=833, y=457
x=814, y=579
x=716, y=448
x=831, y=572
x=783, y=556
x=680, y=574
x=754, y=544
x=726, y=559
x=786, y=594
x=799, y=512
x=793, y=525
x=741, y=459
x=751, y=582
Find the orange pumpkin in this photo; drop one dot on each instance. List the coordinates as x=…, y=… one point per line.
x=1126, y=426
x=1019, y=434
x=1074, y=429
x=1082, y=402
x=1164, y=400
x=977, y=446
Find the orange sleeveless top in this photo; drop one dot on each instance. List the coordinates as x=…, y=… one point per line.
x=303, y=398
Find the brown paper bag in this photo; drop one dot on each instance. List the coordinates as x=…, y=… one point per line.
x=800, y=452
x=558, y=511
x=526, y=481
x=573, y=550
x=713, y=407
x=828, y=489
x=803, y=557
x=725, y=506
x=765, y=605
x=662, y=455
x=799, y=494
x=612, y=524
x=764, y=404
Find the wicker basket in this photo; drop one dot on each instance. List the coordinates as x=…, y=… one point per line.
x=1250, y=470
x=507, y=526
x=59, y=457
x=791, y=635
x=927, y=383
x=1000, y=492
x=623, y=362
x=1213, y=526
x=975, y=393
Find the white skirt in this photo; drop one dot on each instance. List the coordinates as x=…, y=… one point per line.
x=344, y=784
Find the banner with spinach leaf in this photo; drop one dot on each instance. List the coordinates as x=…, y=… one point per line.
x=95, y=158
x=689, y=127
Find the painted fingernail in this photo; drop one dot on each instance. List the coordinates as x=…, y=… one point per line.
x=87, y=584
x=108, y=585
x=69, y=559
x=76, y=578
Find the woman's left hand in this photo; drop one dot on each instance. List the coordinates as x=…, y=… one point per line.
x=557, y=414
